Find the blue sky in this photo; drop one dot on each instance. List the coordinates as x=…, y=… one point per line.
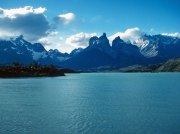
x=88, y=18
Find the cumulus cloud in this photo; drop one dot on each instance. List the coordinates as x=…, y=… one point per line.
x=49, y=40
x=28, y=21
x=13, y=13
x=172, y=34
x=131, y=34
x=56, y=42
x=65, y=18
x=80, y=39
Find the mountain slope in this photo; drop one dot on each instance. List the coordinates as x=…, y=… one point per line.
x=97, y=54
x=172, y=65
x=23, y=52
x=58, y=57
x=126, y=54
x=158, y=46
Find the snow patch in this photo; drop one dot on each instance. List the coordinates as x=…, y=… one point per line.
x=37, y=55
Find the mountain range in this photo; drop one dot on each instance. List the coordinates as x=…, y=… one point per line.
x=148, y=49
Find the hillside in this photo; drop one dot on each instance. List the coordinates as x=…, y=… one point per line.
x=172, y=65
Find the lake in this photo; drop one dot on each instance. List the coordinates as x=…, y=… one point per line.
x=91, y=103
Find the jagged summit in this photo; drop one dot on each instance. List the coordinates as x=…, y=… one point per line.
x=93, y=40
x=103, y=36
x=20, y=37
x=117, y=41
x=54, y=51
x=76, y=51
x=103, y=39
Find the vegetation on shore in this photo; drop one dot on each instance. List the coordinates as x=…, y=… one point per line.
x=34, y=70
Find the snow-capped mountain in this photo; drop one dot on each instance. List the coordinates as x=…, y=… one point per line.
x=148, y=49
x=155, y=45
x=57, y=56
x=21, y=51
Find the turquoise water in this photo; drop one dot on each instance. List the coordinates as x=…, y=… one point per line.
x=107, y=103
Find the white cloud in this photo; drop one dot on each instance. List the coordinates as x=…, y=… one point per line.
x=172, y=34
x=66, y=18
x=40, y=10
x=27, y=21
x=56, y=42
x=131, y=34
x=6, y=35
x=13, y=13
x=50, y=39
x=80, y=39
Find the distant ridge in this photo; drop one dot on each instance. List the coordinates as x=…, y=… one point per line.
x=172, y=65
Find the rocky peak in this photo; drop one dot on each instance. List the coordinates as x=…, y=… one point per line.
x=20, y=37
x=103, y=41
x=103, y=37
x=117, y=43
x=118, y=40
x=18, y=40
x=76, y=51
x=93, y=40
x=55, y=52
x=38, y=47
